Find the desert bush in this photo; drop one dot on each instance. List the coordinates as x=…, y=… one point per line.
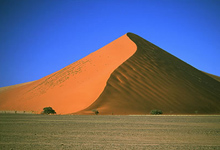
x=156, y=112
x=95, y=111
x=48, y=110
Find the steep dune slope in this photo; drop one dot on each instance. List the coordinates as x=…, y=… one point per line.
x=154, y=79
x=74, y=87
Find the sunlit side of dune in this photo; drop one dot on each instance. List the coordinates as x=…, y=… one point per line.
x=154, y=79
x=72, y=88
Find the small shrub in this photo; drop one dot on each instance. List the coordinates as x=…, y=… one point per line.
x=95, y=111
x=48, y=110
x=156, y=112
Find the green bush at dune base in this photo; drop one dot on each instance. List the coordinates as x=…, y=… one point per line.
x=48, y=110
x=95, y=111
x=156, y=112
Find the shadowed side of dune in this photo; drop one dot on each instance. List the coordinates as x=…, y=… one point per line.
x=217, y=78
x=154, y=79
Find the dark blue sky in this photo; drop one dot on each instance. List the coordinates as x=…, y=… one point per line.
x=39, y=37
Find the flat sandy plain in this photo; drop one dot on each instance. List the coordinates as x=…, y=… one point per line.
x=25, y=131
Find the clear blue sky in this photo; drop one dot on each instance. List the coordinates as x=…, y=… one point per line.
x=39, y=37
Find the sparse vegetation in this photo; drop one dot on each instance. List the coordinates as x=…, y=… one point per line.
x=95, y=111
x=156, y=112
x=48, y=110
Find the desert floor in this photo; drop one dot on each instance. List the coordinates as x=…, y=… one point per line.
x=25, y=131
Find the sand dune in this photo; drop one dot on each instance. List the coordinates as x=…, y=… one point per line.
x=213, y=76
x=154, y=79
x=74, y=87
x=13, y=86
x=128, y=76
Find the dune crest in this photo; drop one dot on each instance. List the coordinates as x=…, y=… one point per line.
x=154, y=79
x=74, y=87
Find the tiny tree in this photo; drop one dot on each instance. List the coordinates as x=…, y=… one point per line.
x=48, y=110
x=95, y=111
x=156, y=112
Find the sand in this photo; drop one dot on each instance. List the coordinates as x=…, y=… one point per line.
x=74, y=87
x=213, y=76
x=68, y=132
x=128, y=76
x=154, y=79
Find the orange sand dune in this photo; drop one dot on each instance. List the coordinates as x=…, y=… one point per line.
x=13, y=86
x=72, y=88
x=128, y=76
x=154, y=79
